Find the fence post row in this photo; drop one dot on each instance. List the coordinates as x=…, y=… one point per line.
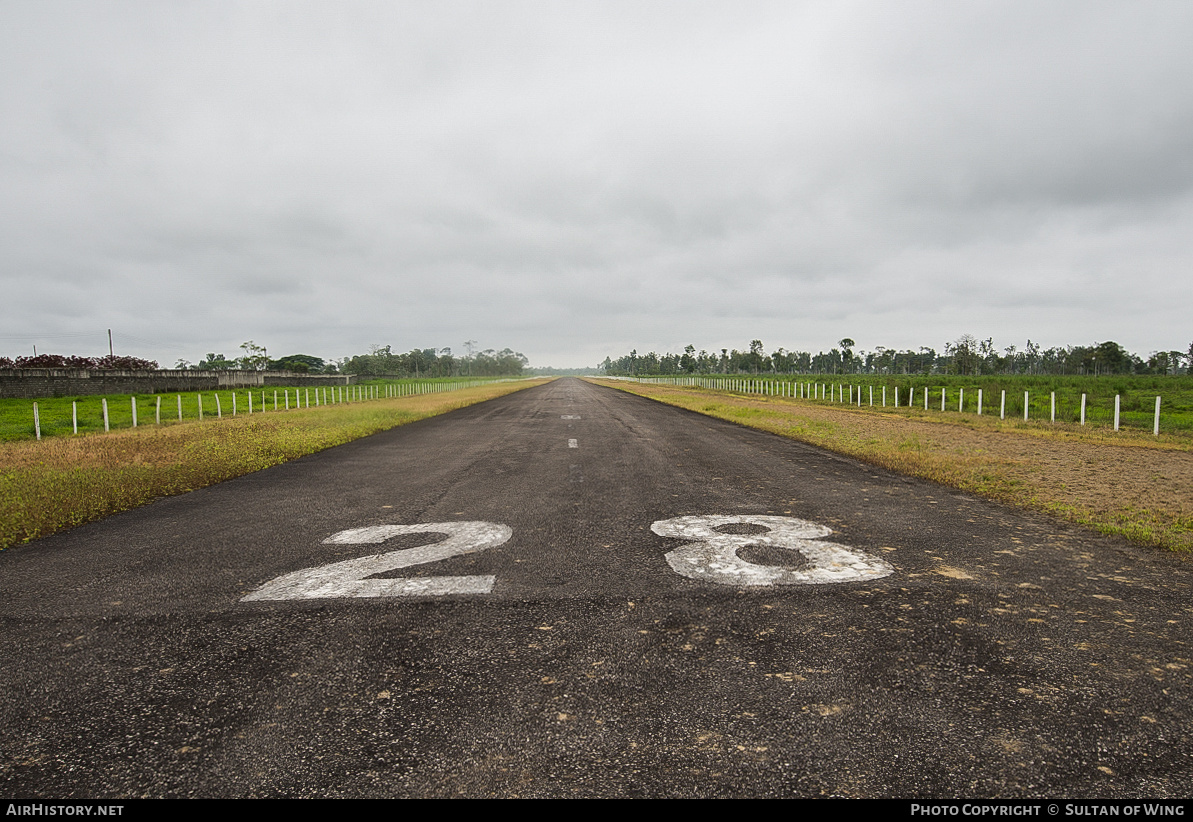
x=832, y=392
x=838, y=393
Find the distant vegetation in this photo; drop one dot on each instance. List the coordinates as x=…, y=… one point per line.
x=381, y=361
x=965, y=356
x=109, y=363
x=548, y=371
x=429, y=362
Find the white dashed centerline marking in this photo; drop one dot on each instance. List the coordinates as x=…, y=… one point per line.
x=573, y=443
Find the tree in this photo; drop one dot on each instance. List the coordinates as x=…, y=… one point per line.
x=1113, y=358
x=1031, y=353
x=757, y=358
x=846, y=353
x=254, y=358
x=217, y=362
x=299, y=363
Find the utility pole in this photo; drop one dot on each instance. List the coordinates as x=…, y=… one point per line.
x=110, y=352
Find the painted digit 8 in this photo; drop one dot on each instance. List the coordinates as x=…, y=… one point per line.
x=711, y=556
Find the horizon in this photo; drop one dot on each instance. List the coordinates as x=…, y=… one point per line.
x=576, y=181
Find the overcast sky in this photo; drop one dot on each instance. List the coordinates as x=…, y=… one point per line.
x=573, y=180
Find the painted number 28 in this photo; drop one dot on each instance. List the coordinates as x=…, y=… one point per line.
x=710, y=555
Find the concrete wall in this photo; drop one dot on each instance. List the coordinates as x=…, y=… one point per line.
x=33, y=383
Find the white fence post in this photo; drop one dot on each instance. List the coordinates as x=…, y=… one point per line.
x=1053, y=406
x=1002, y=406
x=979, y=402
x=36, y=422
x=961, y=402
x=871, y=396
x=157, y=412
x=234, y=403
x=1025, y=406
x=942, y=399
x=180, y=408
x=1156, y=425
x=74, y=415
x=1083, y=409
x=884, y=396
x=219, y=412
x=199, y=397
x=105, y=404
x=134, y=412
x=1116, y=409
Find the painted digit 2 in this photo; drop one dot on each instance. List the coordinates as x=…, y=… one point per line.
x=349, y=578
x=711, y=556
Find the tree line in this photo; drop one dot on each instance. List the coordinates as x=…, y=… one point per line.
x=964, y=356
x=381, y=361
x=430, y=362
x=108, y=363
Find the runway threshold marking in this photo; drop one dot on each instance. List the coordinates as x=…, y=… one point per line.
x=709, y=556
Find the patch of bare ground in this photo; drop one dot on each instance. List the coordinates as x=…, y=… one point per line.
x=1126, y=483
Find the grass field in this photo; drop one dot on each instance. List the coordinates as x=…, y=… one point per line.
x=1127, y=483
x=69, y=480
x=60, y=415
x=1136, y=404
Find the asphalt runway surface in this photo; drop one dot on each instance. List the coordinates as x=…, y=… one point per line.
x=621, y=599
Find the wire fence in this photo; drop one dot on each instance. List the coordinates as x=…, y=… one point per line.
x=64, y=416
x=1060, y=405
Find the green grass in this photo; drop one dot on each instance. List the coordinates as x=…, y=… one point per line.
x=1137, y=395
x=65, y=481
x=56, y=413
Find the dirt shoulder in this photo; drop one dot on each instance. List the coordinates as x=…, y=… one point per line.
x=1124, y=483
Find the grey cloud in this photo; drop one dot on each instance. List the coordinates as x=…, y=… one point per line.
x=560, y=178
